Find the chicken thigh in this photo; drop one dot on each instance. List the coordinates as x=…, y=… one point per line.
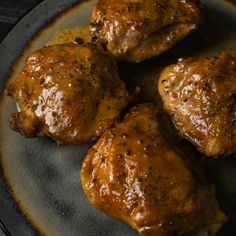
x=71, y=93
x=135, y=175
x=134, y=30
x=200, y=96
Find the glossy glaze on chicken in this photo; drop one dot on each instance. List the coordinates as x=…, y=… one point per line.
x=200, y=96
x=133, y=174
x=136, y=30
x=71, y=93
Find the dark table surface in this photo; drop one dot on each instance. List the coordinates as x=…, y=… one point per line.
x=11, y=11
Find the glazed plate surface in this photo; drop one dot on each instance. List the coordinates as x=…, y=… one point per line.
x=40, y=187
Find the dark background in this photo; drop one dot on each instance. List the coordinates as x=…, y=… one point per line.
x=11, y=11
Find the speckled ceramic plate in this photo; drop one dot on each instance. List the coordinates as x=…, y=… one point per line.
x=40, y=188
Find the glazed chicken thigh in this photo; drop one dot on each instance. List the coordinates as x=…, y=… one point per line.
x=136, y=30
x=200, y=96
x=133, y=174
x=69, y=92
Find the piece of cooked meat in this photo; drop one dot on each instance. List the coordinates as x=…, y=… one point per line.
x=200, y=96
x=71, y=93
x=134, y=30
x=133, y=174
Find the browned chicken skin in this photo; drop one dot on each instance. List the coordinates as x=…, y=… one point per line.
x=69, y=92
x=199, y=94
x=134, y=30
x=133, y=174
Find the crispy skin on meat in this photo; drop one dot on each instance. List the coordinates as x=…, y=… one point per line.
x=200, y=96
x=133, y=174
x=136, y=30
x=71, y=93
